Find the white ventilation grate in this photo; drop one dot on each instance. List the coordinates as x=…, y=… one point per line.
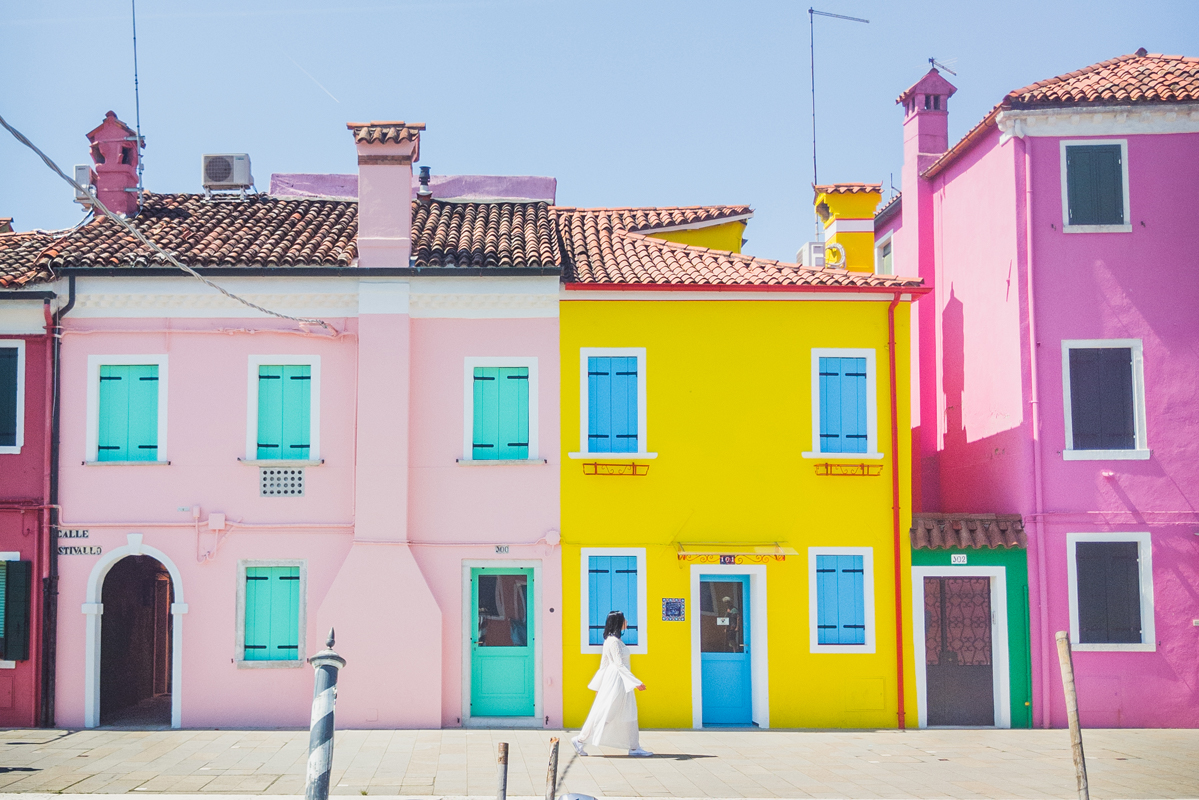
x=281, y=482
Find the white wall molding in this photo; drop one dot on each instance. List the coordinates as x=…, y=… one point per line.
x=483, y=306
x=1101, y=121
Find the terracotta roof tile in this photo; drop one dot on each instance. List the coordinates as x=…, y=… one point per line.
x=611, y=246
x=385, y=132
x=263, y=231
x=847, y=188
x=1126, y=80
x=968, y=531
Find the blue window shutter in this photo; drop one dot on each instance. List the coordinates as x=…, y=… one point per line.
x=599, y=596
x=830, y=406
x=297, y=400
x=513, y=412
x=851, y=600
x=624, y=593
x=827, y=626
x=143, y=412
x=270, y=412
x=624, y=404
x=843, y=401
x=113, y=429
x=599, y=404
x=9, y=384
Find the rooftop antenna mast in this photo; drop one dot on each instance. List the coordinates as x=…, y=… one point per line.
x=938, y=65
x=137, y=104
x=812, y=14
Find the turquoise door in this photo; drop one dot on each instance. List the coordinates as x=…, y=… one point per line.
x=501, y=644
x=724, y=643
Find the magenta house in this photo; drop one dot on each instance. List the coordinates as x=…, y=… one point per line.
x=377, y=456
x=1058, y=366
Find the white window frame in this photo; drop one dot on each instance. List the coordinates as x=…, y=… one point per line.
x=314, y=409
x=301, y=617
x=1139, y=453
x=468, y=407
x=1145, y=577
x=1066, y=226
x=19, y=442
x=585, y=553
x=93, y=404
x=642, y=414
x=867, y=554
x=872, y=453
x=888, y=239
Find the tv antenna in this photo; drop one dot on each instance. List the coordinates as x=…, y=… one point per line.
x=812, y=14
x=137, y=105
x=937, y=64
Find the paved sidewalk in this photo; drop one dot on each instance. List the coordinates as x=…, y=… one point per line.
x=689, y=764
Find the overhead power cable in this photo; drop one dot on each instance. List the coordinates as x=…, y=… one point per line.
x=20, y=137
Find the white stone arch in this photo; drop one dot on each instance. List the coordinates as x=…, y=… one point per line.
x=94, y=608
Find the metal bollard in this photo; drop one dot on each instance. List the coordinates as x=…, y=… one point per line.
x=551, y=777
x=320, y=739
x=501, y=792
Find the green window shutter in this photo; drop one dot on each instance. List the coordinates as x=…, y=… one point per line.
x=18, y=583
x=1094, y=185
x=297, y=399
x=272, y=613
x=3, y=584
x=485, y=443
x=143, y=412
x=9, y=384
x=113, y=432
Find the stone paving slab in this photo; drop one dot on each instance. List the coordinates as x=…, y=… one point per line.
x=688, y=765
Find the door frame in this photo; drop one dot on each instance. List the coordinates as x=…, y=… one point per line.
x=538, y=719
x=1000, y=658
x=759, y=656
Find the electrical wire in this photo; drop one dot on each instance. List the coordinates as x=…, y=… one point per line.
x=20, y=137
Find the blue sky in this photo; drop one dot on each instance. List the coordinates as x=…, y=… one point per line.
x=625, y=103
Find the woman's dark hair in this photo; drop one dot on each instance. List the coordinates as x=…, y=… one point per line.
x=615, y=624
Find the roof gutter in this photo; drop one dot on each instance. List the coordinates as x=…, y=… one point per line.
x=715, y=287
x=311, y=272
x=18, y=295
x=972, y=137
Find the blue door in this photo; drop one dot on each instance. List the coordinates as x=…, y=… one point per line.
x=724, y=649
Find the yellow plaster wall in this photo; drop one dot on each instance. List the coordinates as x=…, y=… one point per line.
x=729, y=413
x=726, y=236
x=859, y=247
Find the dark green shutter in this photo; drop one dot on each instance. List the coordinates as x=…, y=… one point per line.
x=1109, y=592
x=1094, y=185
x=9, y=385
x=18, y=580
x=1101, y=399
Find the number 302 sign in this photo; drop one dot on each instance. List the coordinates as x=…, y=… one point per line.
x=957, y=558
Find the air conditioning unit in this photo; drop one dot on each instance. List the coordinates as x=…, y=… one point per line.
x=811, y=255
x=226, y=171
x=83, y=177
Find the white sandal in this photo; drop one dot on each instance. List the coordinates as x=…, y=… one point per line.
x=578, y=746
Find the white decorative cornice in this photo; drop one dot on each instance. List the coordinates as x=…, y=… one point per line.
x=344, y=302
x=1099, y=121
x=483, y=305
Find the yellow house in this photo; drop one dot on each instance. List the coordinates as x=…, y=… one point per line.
x=735, y=475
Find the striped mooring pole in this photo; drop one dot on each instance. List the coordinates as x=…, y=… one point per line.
x=320, y=739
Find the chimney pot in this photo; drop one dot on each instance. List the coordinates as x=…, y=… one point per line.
x=386, y=151
x=115, y=152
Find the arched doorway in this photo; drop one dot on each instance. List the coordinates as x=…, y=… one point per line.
x=136, y=643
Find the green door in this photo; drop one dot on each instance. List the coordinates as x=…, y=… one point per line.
x=501, y=642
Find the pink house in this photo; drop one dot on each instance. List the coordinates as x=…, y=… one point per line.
x=379, y=459
x=1058, y=364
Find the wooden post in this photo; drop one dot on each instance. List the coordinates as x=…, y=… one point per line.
x=501, y=792
x=1067, y=665
x=551, y=777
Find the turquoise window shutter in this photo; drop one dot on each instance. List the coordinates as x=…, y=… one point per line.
x=272, y=613
x=599, y=596
x=485, y=442
x=143, y=412
x=513, y=389
x=284, y=411
x=113, y=431
x=612, y=404
x=843, y=399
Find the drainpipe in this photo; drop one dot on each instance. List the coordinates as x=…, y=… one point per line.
x=50, y=585
x=43, y=539
x=895, y=505
x=1035, y=403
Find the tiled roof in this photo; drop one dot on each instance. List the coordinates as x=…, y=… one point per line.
x=1126, y=80
x=889, y=209
x=609, y=247
x=968, y=531
x=483, y=235
x=385, y=132
x=263, y=231
x=847, y=188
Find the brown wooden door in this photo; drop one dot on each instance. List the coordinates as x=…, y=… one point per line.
x=958, y=651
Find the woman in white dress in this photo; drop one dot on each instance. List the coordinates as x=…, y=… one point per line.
x=612, y=721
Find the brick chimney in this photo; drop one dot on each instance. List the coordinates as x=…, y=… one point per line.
x=115, y=153
x=926, y=119
x=386, y=152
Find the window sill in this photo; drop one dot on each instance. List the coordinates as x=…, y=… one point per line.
x=8, y=665
x=126, y=463
x=613, y=456
x=1106, y=455
x=270, y=664
x=845, y=456
x=1113, y=648
x=843, y=648
x=1097, y=229
x=282, y=462
x=10, y=451
x=499, y=462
